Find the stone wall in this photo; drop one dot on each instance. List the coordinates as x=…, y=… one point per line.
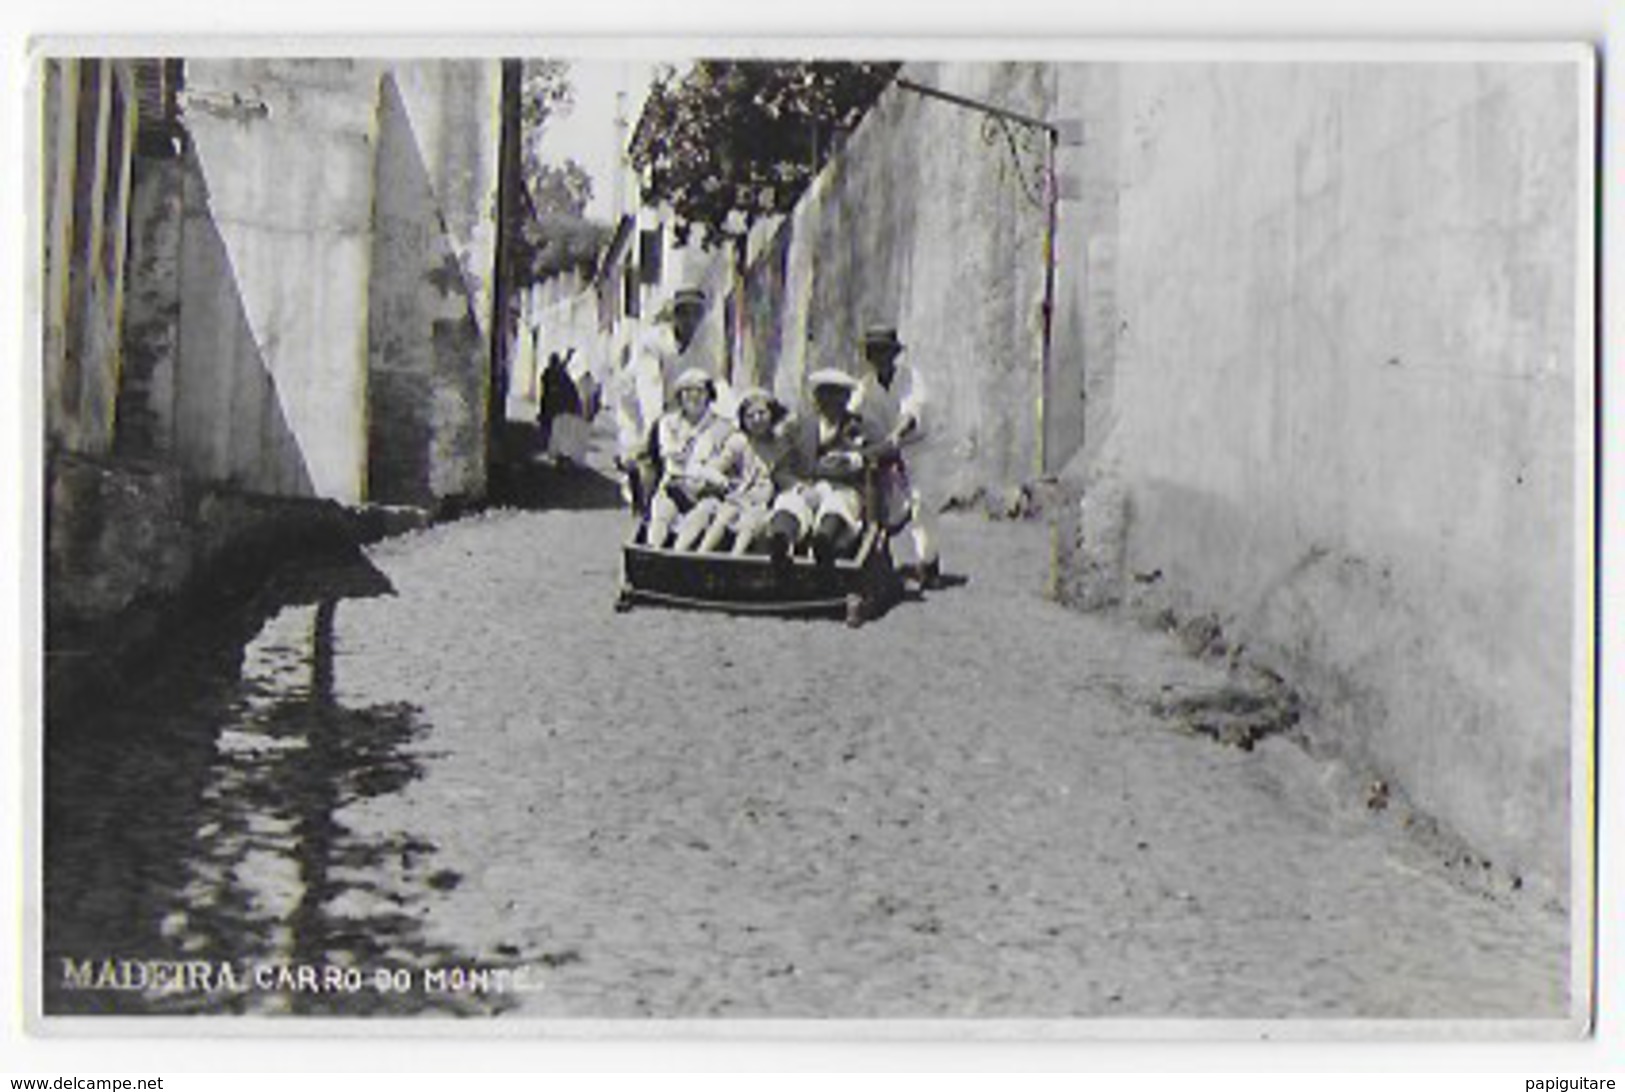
x=924, y=222
x=271, y=372
x=431, y=286
x=319, y=321
x=304, y=317
x=1078, y=405
x=152, y=309
x=1338, y=410
x=137, y=552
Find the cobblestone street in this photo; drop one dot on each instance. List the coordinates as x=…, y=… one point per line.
x=968, y=807
x=956, y=811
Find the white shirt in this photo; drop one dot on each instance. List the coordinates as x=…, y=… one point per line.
x=686, y=446
x=884, y=406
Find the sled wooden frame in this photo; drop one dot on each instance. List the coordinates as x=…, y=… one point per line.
x=857, y=588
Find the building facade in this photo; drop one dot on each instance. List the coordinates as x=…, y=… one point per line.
x=89, y=115
x=261, y=278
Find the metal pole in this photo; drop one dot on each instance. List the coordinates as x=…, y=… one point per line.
x=983, y=107
x=1047, y=319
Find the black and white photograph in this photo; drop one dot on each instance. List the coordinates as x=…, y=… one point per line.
x=889, y=535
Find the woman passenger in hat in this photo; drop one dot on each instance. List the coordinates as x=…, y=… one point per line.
x=747, y=472
x=685, y=438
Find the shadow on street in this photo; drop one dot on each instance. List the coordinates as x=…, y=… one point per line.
x=242, y=855
x=524, y=477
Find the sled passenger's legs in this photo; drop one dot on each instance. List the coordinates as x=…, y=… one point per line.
x=700, y=520
x=783, y=529
x=716, y=530
x=749, y=527
x=833, y=538
x=662, y=514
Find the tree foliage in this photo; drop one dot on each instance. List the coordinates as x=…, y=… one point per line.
x=554, y=234
x=729, y=142
x=560, y=189
x=557, y=234
x=545, y=92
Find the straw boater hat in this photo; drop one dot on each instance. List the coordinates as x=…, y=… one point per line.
x=695, y=377
x=831, y=377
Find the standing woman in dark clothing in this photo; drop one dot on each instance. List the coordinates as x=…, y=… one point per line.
x=560, y=398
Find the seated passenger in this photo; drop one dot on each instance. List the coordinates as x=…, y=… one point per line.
x=684, y=440
x=743, y=477
x=826, y=455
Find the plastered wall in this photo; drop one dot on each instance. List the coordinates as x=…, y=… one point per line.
x=1341, y=405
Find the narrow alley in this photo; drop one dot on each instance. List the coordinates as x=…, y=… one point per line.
x=344, y=363
x=970, y=807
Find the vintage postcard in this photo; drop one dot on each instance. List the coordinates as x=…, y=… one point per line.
x=748, y=537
